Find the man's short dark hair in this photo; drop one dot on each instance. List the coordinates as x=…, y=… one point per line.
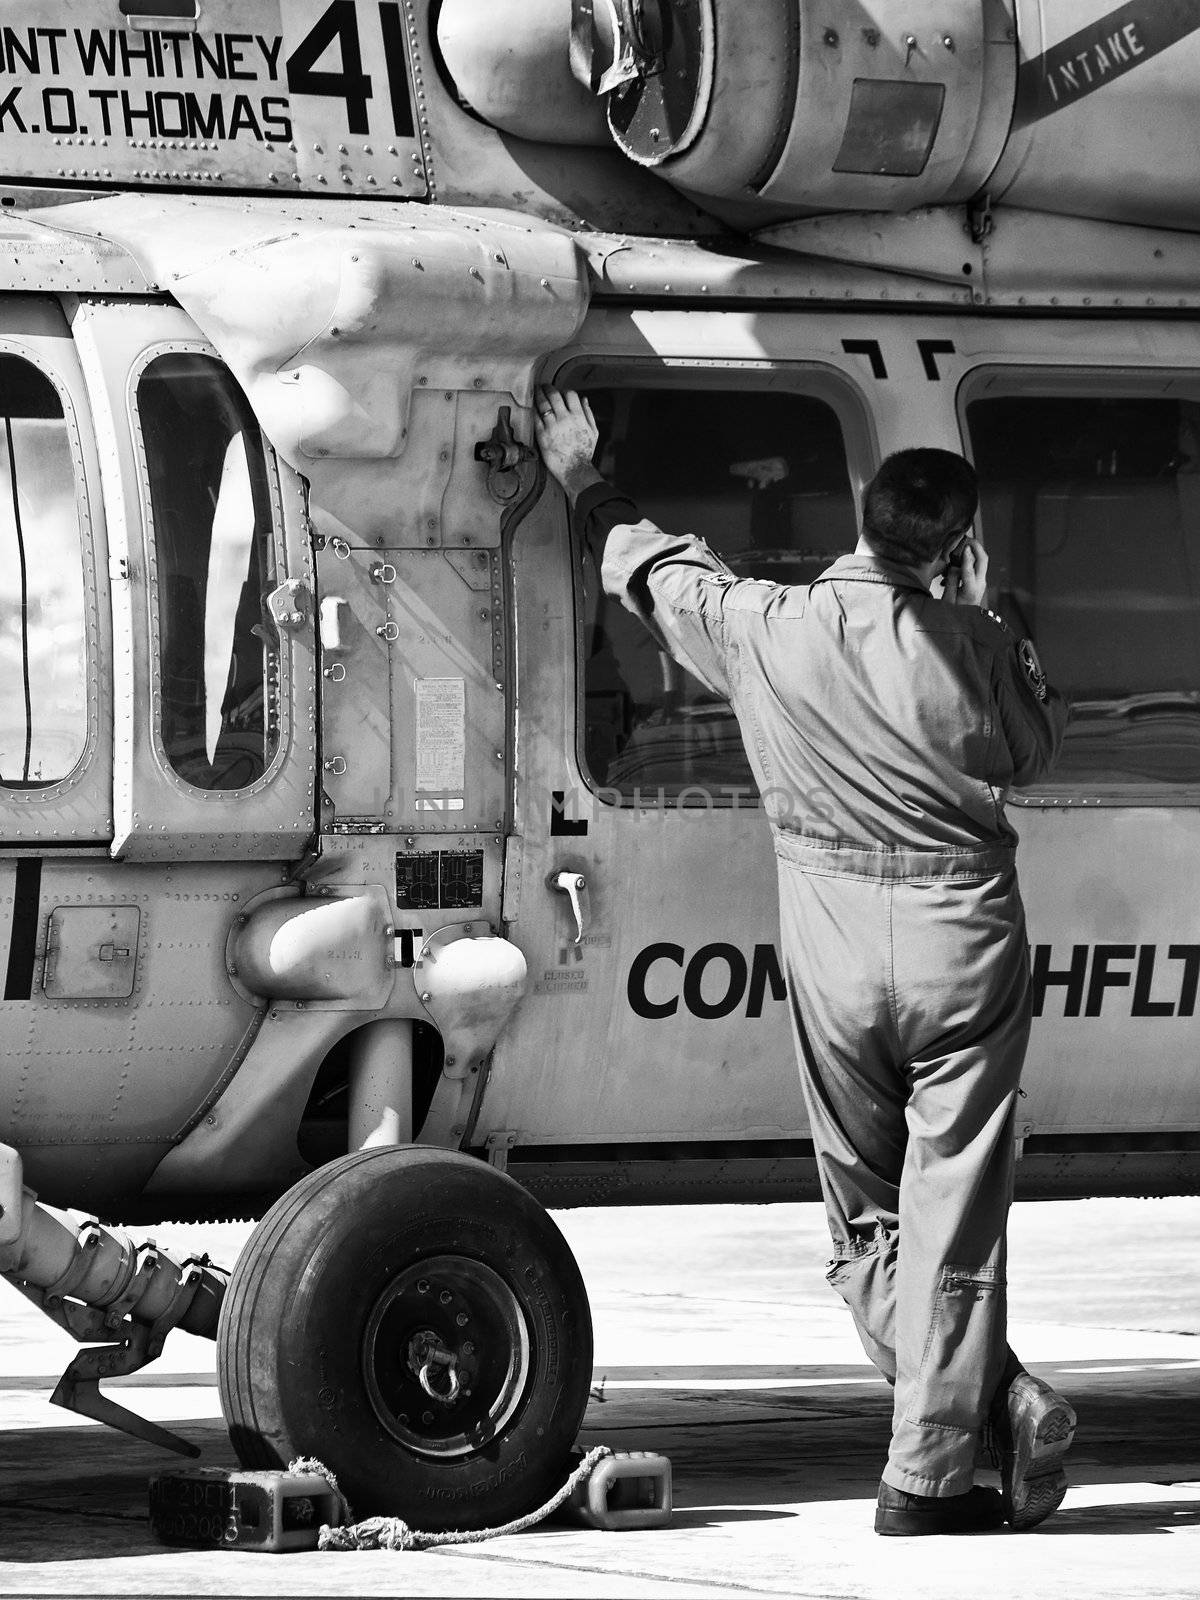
x=915, y=503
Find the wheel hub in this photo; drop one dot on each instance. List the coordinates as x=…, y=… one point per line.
x=447, y=1356
x=436, y=1367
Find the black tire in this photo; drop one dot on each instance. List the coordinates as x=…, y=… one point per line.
x=350, y=1282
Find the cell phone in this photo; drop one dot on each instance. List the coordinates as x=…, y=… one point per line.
x=955, y=558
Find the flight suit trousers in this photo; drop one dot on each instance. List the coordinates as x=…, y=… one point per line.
x=908, y=978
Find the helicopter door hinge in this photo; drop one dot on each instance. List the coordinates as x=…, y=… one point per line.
x=980, y=221
x=290, y=604
x=120, y=569
x=498, y=1146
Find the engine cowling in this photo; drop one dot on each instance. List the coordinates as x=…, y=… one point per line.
x=769, y=108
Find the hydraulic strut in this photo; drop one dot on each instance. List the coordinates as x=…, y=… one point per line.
x=101, y=1285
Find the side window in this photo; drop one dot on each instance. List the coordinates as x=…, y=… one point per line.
x=214, y=556
x=762, y=478
x=1090, y=506
x=43, y=672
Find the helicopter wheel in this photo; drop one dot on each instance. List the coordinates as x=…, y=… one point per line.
x=416, y=1321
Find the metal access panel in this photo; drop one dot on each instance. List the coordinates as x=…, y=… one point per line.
x=447, y=676
x=91, y=952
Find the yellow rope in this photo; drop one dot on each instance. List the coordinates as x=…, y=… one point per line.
x=393, y=1533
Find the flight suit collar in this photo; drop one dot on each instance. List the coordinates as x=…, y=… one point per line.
x=854, y=568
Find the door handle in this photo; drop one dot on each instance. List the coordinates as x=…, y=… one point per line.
x=574, y=886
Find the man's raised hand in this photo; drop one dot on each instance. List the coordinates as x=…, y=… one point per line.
x=566, y=434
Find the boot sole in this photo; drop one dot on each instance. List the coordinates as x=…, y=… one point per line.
x=1041, y=1497
x=1042, y=1427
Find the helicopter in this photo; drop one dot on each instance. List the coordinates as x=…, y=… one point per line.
x=366, y=870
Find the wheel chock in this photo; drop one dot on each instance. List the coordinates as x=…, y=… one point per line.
x=209, y=1507
x=631, y=1489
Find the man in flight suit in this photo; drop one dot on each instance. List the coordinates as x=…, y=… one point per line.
x=902, y=928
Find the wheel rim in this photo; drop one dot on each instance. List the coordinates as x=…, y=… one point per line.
x=447, y=1356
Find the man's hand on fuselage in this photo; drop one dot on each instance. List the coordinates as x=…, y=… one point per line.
x=567, y=435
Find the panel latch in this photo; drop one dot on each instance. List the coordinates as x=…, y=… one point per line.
x=505, y=455
x=574, y=886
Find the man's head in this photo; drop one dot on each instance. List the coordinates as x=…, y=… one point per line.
x=918, y=504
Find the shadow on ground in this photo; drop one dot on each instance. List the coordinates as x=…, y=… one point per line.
x=739, y=1455
x=1132, y=1517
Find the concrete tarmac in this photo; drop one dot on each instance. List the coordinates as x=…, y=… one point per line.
x=719, y=1345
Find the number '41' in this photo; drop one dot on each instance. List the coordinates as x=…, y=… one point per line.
x=339, y=25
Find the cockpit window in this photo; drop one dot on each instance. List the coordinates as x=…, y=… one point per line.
x=1090, y=508
x=218, y=653
x=762, y=478
x=43, y=665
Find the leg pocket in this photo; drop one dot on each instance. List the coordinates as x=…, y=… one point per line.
x=958, y=1367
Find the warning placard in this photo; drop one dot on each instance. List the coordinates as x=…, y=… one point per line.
x=441, y=736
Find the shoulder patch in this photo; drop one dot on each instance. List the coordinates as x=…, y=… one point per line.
x=1032, y=666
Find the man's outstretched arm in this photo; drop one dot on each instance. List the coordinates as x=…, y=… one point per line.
x=676, y=586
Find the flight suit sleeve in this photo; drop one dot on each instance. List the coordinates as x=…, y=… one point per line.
x=675, y=585
x=1033, y=716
